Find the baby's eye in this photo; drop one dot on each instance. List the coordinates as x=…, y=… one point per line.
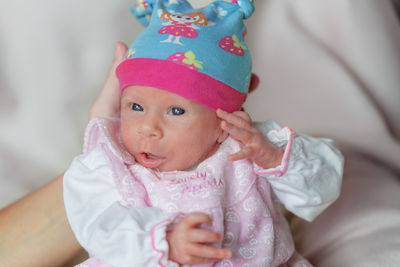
x=177, y=111
x=136, y=107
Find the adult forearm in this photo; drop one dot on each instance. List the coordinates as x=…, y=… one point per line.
x=34, y=231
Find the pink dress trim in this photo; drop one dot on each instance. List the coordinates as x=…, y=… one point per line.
x=153, y=234
x=279, y=172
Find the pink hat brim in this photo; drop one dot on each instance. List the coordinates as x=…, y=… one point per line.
x=181, y=80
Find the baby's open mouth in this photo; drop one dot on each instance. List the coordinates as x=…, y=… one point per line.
x=149, y=160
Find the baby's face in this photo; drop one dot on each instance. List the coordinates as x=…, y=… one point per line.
x=184, y=18
x=165, y=131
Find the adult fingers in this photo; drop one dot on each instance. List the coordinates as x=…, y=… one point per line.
x=119, y=53
x=107, y=103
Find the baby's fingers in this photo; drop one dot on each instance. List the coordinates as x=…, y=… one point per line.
x=191, y=260
x=204, y=236
x=194, y=219
x=244, y=153
x=239, y=119
x=196, y=253
x=208, y=252
x=243, y=135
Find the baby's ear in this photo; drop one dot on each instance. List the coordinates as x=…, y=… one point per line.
x=254, y=81
x=222, y=136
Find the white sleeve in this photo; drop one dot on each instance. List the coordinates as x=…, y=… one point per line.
x=309, y=177
x=101, y=221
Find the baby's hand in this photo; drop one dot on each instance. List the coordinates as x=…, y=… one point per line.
x=187, y=243
x=255, y=146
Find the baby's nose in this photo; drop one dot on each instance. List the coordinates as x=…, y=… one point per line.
x=150, y=127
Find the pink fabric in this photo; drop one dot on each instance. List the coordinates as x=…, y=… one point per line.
x=240, y=203
x=92, y=262
x=153, y=238
x=180, y=80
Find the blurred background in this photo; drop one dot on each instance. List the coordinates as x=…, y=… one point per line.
x=54, y=56
x=315, y=76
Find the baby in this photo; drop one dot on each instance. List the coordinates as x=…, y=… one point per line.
x=183, y=177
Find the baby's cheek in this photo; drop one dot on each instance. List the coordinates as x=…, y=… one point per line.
x=188, y=156
x=127, y=138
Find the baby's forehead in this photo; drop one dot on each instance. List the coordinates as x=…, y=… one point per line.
x=147, y=91
x=154, y=94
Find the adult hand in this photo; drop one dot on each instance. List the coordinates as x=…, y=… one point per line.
x=107, y=103
x=24, y=244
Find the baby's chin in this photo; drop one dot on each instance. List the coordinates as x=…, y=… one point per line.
x=179, y=166
x=176, y=169
x=171, y=163
x=186, y=165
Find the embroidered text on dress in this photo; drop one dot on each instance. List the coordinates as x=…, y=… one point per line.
x=201, y=180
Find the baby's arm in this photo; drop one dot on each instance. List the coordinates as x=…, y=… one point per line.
x=104, y=224
x=308, y=177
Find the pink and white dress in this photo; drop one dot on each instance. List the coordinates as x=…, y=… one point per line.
x=120, y=211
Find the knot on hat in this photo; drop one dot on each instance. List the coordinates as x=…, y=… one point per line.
x=142, y=9
x=247, y=7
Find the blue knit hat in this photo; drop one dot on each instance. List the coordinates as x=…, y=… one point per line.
x=199, y=54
